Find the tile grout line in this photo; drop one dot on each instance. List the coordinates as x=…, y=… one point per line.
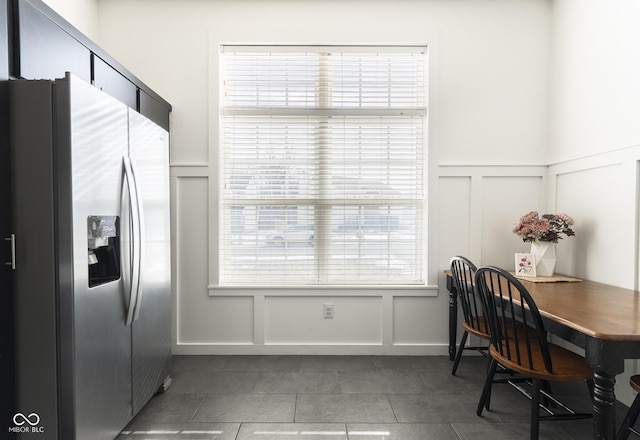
x=391, y=406
x=202, y=399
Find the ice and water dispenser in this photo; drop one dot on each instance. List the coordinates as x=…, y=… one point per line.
x=103, y=237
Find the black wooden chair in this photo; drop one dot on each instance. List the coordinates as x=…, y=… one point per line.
x=463, y=272
x=519, y=343
x=632, y=415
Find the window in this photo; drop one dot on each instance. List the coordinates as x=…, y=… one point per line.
x=323, y=165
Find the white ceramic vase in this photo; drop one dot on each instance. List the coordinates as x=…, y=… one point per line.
x=545, y=255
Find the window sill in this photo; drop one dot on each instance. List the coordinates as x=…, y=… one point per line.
x=323, y=290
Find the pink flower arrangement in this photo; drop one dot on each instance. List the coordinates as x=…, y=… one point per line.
x=549, y=227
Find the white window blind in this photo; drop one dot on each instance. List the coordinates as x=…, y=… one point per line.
x=323, y=165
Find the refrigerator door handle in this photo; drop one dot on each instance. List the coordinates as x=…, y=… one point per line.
x=133, y=248
x=139, y=237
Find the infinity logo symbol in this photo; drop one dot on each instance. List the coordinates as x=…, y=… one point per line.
x=20, y=419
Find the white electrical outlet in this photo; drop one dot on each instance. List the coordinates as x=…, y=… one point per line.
x=327, y=310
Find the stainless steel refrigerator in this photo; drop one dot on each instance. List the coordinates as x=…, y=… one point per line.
x=92, y=260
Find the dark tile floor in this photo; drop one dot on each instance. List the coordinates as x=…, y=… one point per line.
x=342, y=397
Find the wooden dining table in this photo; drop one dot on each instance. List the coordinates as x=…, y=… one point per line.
x=602, y=319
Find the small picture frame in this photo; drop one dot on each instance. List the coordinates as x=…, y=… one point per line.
x=525, y=265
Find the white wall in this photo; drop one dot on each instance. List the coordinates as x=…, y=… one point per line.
x=489, y=64
x=82, y=14
x=594, y=142
x=595, y=93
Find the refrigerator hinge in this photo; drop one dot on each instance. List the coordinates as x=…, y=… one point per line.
x=12, y=240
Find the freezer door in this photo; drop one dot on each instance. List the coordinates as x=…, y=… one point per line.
x=151, y=333
x=93, y=128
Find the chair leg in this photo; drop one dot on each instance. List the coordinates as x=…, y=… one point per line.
x=487, y=403
x=486, y=390
x=546, y=387
x=535, y=410
x=629, y=420
x=463, y=341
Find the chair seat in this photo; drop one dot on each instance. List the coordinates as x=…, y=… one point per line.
x=567, y=366
x=478, y=327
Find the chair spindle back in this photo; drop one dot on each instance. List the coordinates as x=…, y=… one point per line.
x=517, y=329
x=464, y=271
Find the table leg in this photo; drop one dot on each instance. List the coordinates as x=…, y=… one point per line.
x=604, y=406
